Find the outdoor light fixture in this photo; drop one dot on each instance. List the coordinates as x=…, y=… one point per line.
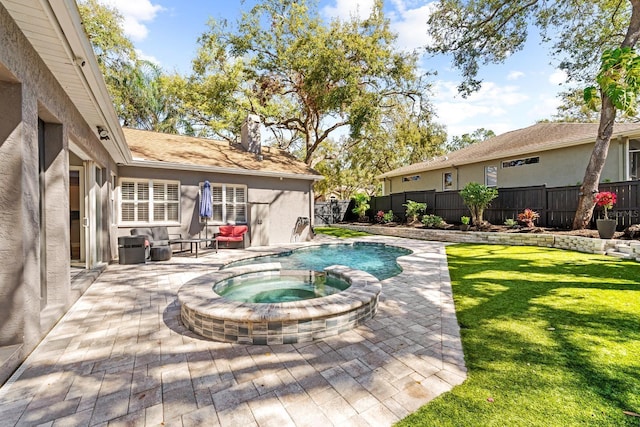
x=103, y=133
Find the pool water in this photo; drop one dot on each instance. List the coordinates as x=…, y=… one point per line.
x=283, y=286
x=376, y=259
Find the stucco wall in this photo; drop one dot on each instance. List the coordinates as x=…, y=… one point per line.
x=556, y=168
x=287, y=199
x=29, y=257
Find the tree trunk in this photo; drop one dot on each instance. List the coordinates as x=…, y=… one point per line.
x=589, y=186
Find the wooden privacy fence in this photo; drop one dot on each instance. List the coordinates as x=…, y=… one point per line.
x=556, y=205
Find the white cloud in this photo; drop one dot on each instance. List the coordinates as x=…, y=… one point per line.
x=492, y=107
x=136, y=13
x=515, y=75
x=345, y=9
x=146, y=57
x=558, y=77
x=411, y=25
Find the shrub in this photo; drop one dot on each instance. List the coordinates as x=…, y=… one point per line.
x=380, y=217
x=432, y=221
x=511, y=223
x=465, y=220
x=388, y=217
x=362, y=205
x=528, y=217
x=477, y=197
x=414, y=209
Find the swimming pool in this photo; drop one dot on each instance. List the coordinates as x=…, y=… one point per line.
x=377, y=259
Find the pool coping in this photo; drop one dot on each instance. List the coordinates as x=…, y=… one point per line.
x=210, y=315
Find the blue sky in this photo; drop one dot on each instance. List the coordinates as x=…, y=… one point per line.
x=514, y=94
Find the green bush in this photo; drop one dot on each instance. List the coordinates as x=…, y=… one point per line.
x=388, y=217
x=511, y=223
x=432, y=221
x=362, y=205
x=477, y=198
x=414, y=209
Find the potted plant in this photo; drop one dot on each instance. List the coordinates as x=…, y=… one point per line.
x=606, y=227
x=465, y=223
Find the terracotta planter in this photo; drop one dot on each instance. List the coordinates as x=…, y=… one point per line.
x=606, y=228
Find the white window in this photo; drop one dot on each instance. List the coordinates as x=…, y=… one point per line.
x=149, y=201
x=229, y=203
x=491, y=176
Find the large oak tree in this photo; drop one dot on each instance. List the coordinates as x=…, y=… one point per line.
x=309, y=80
x=583, y=34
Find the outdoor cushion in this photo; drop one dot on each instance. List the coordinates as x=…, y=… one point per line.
x=232, y=233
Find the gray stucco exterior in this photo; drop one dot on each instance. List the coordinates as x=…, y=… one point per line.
x=35, y=289
x=59, y=179
x=285, y=201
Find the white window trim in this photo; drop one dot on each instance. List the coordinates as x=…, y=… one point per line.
x=150, y=183
x=224, y=187
x=630, y=153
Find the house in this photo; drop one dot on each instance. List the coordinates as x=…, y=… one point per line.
x=67, y=174
x=551, y=154
x=263, y=187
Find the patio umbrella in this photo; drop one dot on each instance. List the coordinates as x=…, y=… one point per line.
x=206, y=210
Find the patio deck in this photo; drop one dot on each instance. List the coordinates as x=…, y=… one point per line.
x=120, y=356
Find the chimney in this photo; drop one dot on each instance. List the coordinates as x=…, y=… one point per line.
x=250, y=136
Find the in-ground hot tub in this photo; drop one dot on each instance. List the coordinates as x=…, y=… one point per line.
x=212, y=316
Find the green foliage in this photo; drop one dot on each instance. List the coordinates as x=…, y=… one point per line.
x=619, y=79
x=551, y=336
x=478, y=135
x=139, y=88
x=414, y=209
x=432, y=221
x=511, y=223
x=477, y=198
x=304, y=77
x=362, y=204
x=388, y=217
x=465, y=220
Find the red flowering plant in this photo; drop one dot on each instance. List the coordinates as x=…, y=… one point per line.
x=606, y=200
x=528, y=217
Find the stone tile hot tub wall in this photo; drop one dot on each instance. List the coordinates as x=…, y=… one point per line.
x=212, y=316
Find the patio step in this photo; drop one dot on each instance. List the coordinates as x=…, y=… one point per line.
x=622, y=250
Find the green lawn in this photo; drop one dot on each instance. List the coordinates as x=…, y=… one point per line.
x=342, y=233
x=550, y=337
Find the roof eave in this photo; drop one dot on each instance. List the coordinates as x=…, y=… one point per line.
x=216, y=169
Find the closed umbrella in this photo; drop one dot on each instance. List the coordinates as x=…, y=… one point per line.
x=206, y=210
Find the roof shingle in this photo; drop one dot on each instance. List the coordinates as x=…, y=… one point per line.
x=191, y=151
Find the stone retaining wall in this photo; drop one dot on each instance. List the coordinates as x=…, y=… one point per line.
x=574, y=243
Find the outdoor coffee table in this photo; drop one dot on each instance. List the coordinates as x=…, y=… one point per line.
x=194, y=242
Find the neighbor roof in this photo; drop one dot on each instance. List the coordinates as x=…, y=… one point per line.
x=161, y=150
x=536, y=138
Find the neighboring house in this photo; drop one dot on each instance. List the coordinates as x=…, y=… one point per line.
x=551, y=154
x=263, y=187
x=70, y=185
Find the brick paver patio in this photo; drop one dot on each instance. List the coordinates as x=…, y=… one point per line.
x=122, y=357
